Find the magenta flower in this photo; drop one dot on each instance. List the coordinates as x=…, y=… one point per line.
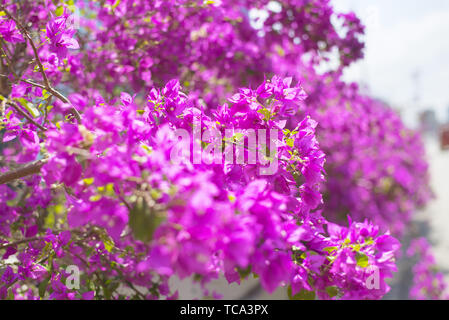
x=108, y=196
x=61, y=39
x=9, y=31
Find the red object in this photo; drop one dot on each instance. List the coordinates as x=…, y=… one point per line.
x=444, y=137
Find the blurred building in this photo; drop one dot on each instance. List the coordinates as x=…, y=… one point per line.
x=447, y=119
x=428, y=123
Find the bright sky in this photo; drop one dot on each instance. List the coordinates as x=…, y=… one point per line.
x=406, y=55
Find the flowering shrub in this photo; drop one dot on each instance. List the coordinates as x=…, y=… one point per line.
x=376, y=166
x=98, y=178
x=428, y=280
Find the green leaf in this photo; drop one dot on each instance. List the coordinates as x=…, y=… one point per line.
x=8, y=115
x=144, y=220
x=10, y=295
x=29, y=106
x=302, y=295
x=59, y=11
x=49, y=222
x=45, y=94
x=88, y=181
x=238, y=136
x=32, y=110
x=244, y=273
x=290, y=142
x=332, y=291
x=362, y=259
x=108, y=242
x=266, y=113
x=109, y=289
x=46, y=250
x=95, y=198
x=116, y=4
x=43, y=287
x=330, y=249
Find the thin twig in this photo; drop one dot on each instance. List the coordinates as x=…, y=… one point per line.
x=25, y=240
x=44, y=120
x=2, y=107
x=33, y=46
x=47, y=85
x=53, y=91
x=58, y=95
x=26, y=115
x=26, y=170
x=8, y=60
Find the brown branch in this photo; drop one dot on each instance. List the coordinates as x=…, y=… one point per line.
x=47, y=85
x=26, y=115
x=11, y=244
x=33, y=46
x=53, y=91
x=58, y=95
x=23, y=171
x=8, y=60
x=44, y=120
x=2, y=107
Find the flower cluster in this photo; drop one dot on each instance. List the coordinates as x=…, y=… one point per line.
x=186, y=219
x=134, y=189
x=428, y=282
x=376, y=167
x=60, y=37
x=9, y=31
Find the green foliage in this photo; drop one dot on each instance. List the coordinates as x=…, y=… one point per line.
x=144, y=220
x=301, y=295
x=362, y=259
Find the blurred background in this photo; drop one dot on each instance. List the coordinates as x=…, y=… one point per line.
x=405, y=56
x=405, y=65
